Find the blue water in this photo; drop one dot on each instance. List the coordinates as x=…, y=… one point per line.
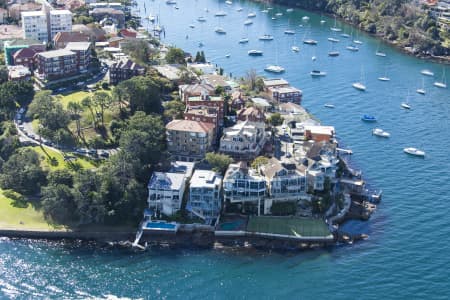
x=407, y=254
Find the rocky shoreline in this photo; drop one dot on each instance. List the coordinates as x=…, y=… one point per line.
x=405, y=50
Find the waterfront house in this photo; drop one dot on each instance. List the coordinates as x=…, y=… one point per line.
x=203, y=114
x=205, y=195
x=274, y=83
x=285, y=94
x=262, y=104
x=245, y=186
x=286, y=181
x=216, y=81
x=243, y=141
x=319, y=133
x=189, y=140
x=166, y=189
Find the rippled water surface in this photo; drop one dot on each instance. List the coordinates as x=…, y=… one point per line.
x=407, y=254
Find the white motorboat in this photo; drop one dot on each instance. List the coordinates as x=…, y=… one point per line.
x=305, y=18
x=359, y=86
x=322, y=21
x=352, y=48
x=441, y=84
x=279, y=14
x=295, y=49
x=274, y=69
x=265, y=11
x=427, y=72
x=220, y=14
x=289, y=31
x=333, y=40
x=414, y=151
x=151, y=18
x=384, y=78
x=255, y=53
x=313, y=58
x=381, y=133
x=248, y=22
x=317, y=73
x=333, y=53
x=201, y=19
x=345, y=35
x=328, y=105
x=170, y=2
x=289, y=10
x=381, y=54
x=405, y=105
x=220, y=30
x=422, y=89
x=229, y=2
x=191, y=25
x=310, y=42
x=251, y=15
x=228, y=55
x=358, y=42
x=266, y=37
x=243, y=41
x=239, y=9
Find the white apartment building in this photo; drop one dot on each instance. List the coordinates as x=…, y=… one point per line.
x=166, y=189
x=34, y=25
x=244, y=185
x=59, y=21
x=205, y=194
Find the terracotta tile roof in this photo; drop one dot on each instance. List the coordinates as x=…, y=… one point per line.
x=190, y=126
x=67, y=37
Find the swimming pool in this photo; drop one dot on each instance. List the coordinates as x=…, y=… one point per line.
x=161, y=226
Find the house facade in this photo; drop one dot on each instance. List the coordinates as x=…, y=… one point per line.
x=189, y=140
x=195, y=90
x=204, y=100
x=243, y=141
x=285, y=94
x=166, y=189
x=56, y=64
x=61, y=39
x=124, y=69
x=82, y=52
x=242, y=185
x=205, y=194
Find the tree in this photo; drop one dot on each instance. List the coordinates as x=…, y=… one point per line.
x=175, y=56
x=174, y=110
x=276, y=119
x=139, y=51
x=75, y=109
x=218, y=162
x=142, y=94
x=49, y=112
x=13, y=94
x=250, y=79
x=22, y=173
x=87, y=103
x=3, y=74
x=58, y=203
x=259, y=161
x=103, y=101
x=144, y=139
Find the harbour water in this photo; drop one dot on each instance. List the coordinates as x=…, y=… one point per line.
x=406, y=255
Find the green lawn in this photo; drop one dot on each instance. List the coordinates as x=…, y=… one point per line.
x=73, y=97
x=21, y=218
x=293, y=226
x=58, y=160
